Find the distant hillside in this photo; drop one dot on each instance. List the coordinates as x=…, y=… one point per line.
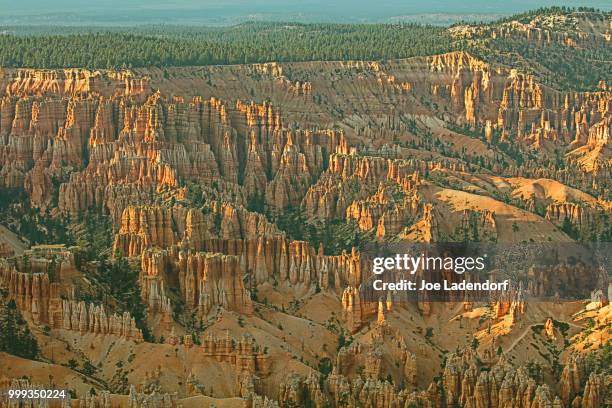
x=566, y=48
x=563, y=47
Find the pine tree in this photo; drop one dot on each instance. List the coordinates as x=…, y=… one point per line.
x=15, y=335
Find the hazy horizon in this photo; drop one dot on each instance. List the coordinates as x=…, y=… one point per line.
x=235, y=11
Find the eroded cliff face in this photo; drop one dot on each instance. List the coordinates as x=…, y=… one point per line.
x=204, y=175
x=125, y=139
x=54, y=305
